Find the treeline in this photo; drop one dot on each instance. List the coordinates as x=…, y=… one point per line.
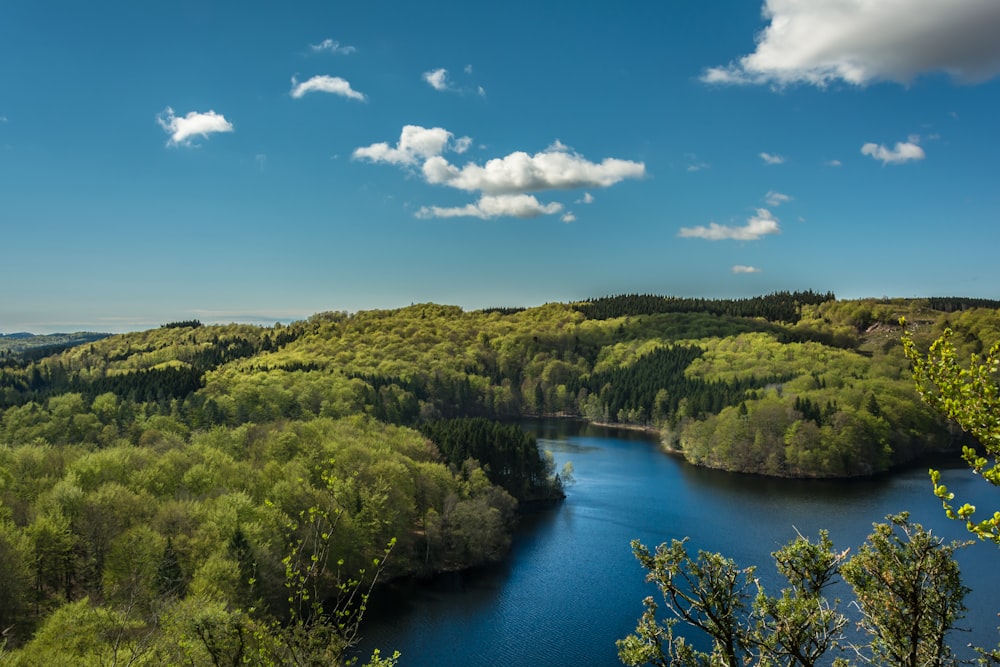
x=950, y=304
x=185, y=324
x=776, y=307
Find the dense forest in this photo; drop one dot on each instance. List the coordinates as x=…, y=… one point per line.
x=201, y=494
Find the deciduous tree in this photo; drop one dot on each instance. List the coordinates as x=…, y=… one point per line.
x=969, y=395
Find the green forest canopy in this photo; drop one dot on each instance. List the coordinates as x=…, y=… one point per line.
x=188, y=458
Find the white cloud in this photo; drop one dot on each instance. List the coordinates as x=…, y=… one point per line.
x=415, y=143
x=740, y=268
x=332, y=46
x=871, y=40
x=325, y=84
x=503, y=184
x=568, y=217
x=183, y=129
x=551, y=169
x=587, y=199
x=904, y=151
x=517, y=206
x=759, y=225
x=770, y=158
x=437, y=78
x=833, y=163
x=776, y=199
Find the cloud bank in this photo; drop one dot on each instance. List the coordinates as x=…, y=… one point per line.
x=861, y=42
x=903, y=151
x=183, y=129
x=759, y=225
x=504, y=183
x=326, y=84
x=551, y=169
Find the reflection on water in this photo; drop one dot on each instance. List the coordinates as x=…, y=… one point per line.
x=571, y=586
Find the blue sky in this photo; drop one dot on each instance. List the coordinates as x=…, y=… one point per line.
x=261, y=161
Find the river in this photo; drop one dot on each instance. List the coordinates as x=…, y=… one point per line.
x=571, y=586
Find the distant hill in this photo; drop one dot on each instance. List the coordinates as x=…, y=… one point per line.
x=22, y=341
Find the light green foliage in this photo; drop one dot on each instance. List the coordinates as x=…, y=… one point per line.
x=905, y=580
x=909, y=592
x=969, y=395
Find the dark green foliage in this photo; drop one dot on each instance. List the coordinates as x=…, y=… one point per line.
x=169, y=577
x=776, y=307
x=508, y=455
x=653, y=387
x=186, y=324
x=148, y=386
x=951, y=304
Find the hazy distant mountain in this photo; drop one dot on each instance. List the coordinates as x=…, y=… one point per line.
x=22, y=340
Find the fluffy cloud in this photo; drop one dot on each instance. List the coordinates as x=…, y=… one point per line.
x=325, y=84
x=415, y=143
x=183, y=129
x=517, y=206
x=740, y=268
x=875, y=40
x=438, y=79
x=904, y=151
x=759, y=225
x=504, y=183
x=552, y=169
x=332, y=46
x=770, y=158
x=775, y=199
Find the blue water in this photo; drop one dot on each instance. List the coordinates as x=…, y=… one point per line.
x=571, y=586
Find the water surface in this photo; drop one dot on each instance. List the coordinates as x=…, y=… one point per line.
x=571, y=586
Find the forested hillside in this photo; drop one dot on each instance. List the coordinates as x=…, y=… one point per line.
x=239, y=471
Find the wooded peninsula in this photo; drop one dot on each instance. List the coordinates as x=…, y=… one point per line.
x=199, y=494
